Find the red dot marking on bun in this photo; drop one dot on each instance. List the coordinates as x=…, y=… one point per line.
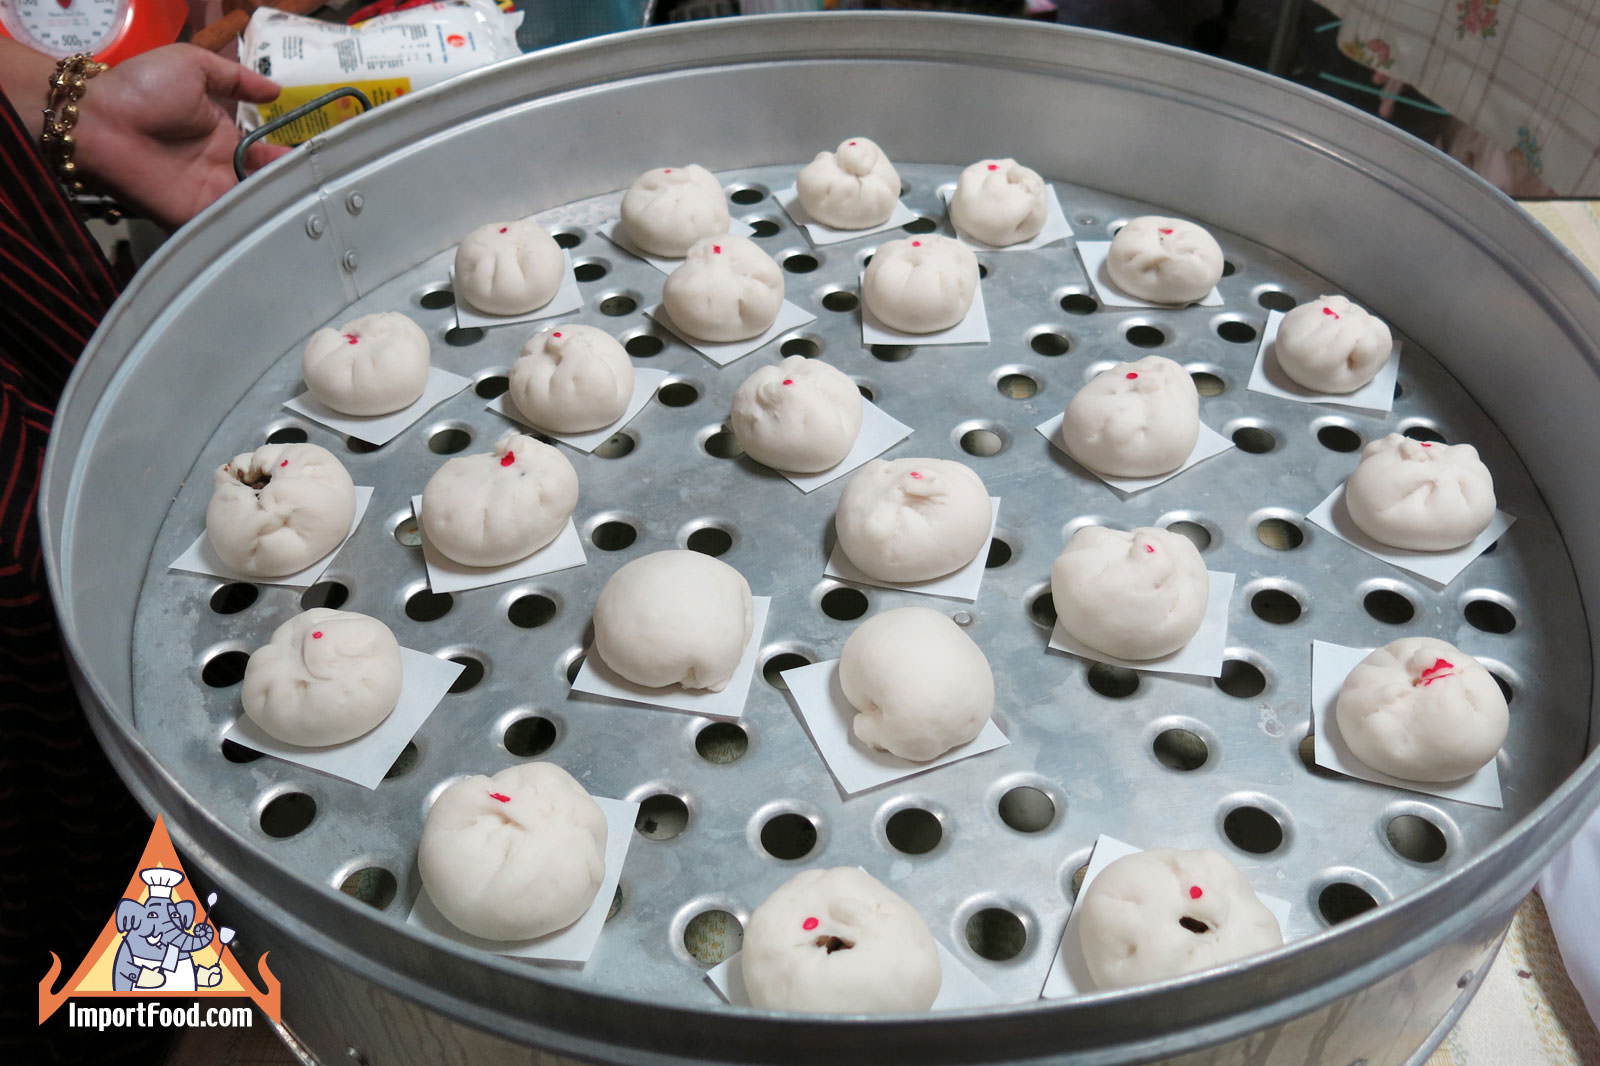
x=1149, y=549
x=788, y=381
x=994, y=166
x=501, y=796
x=1434, y=673
x=351, y=337
x=809, y=924
x=916, y=244
x=916, y=474
x=284, y=463
x=317, y=635
x=716, y=249
x=1330, y=311
x=508, y=458
x=666, y=170
x=1194, y=892
x=502, y=229
x=1130, y=375
x=557, y=333
x=852, y=144
x=1166, y=233
x=1426, y=443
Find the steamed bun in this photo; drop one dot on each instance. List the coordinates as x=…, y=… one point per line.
x=497, y=507
x=853, y=187
x=1164, y=260
x=1135, y=420
x=572, y=379
x=727, y=289
x=1133, y=596
x=508, y=268
x=1419, y=495
x=801, y=416
x=907, y=520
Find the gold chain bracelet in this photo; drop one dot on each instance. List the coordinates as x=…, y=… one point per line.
x=67, y=84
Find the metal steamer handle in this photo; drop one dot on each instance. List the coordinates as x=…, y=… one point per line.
x=288, y=117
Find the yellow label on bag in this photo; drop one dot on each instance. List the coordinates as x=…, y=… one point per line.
x=378, y=90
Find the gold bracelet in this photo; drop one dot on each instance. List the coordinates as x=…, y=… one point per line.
x=67, y=84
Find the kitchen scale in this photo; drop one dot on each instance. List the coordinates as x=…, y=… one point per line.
x=109, y=30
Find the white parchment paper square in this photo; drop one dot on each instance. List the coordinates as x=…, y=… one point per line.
x=1330, y=665
x=958, y=986
x=595, y=678
x=424, y=680
x=1207, y=443
x=1094, y=266
x=1202, y=656
x=613, y=232
x=566, y=300
x=381, y=429
x=963, y=584
x=789, y=317
x=576, y=942
x=820, y=235
x=880, y=431
x=1068, y=975
x=1056, y=227
x=1267, y=377
x=645, y=384
x=1439, y=567
x=826, y=714
x=447, y=575
x=201, y=558
x=973, y=329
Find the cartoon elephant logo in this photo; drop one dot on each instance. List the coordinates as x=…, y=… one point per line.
x=157, y=943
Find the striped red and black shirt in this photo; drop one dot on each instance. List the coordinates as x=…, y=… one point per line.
x=69, y=832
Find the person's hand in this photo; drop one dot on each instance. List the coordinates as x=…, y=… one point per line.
x=157, y=130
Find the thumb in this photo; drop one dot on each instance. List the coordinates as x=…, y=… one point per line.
x=233, y=81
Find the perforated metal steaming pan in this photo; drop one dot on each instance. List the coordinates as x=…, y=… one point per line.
x=1500, y=330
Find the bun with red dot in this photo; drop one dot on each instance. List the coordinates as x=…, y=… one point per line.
x=324, y=678
x=907, y=520
x=1134, y=596
x=1164, y=260
x=572, y=379
x=800, y=416
x=278, y=509
x=1422, y=710
x=372, y=365
x=508, y=268
x=1164, y=913
x=1137, y=419
x=667, y=209
x=1420, y=495
x=920, y=284
x=514, y=856
x=497, y=507
x=1331, y=345
x=727, y=289
x=999, y=202
x=838, y=942
x=852, y=187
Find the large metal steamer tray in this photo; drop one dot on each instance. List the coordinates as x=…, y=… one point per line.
x=1500, y=332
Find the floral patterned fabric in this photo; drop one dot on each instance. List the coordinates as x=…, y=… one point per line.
x=1526, y=73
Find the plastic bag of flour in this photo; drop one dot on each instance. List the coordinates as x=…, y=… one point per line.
x=384, y=57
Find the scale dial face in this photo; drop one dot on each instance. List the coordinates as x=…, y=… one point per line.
x=65, y=27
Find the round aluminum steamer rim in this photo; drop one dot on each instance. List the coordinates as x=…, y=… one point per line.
x=1414, y=193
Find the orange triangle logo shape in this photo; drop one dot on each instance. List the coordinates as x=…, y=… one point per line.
x=158, y=942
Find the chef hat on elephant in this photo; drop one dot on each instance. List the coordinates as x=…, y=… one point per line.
x=161, y=882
